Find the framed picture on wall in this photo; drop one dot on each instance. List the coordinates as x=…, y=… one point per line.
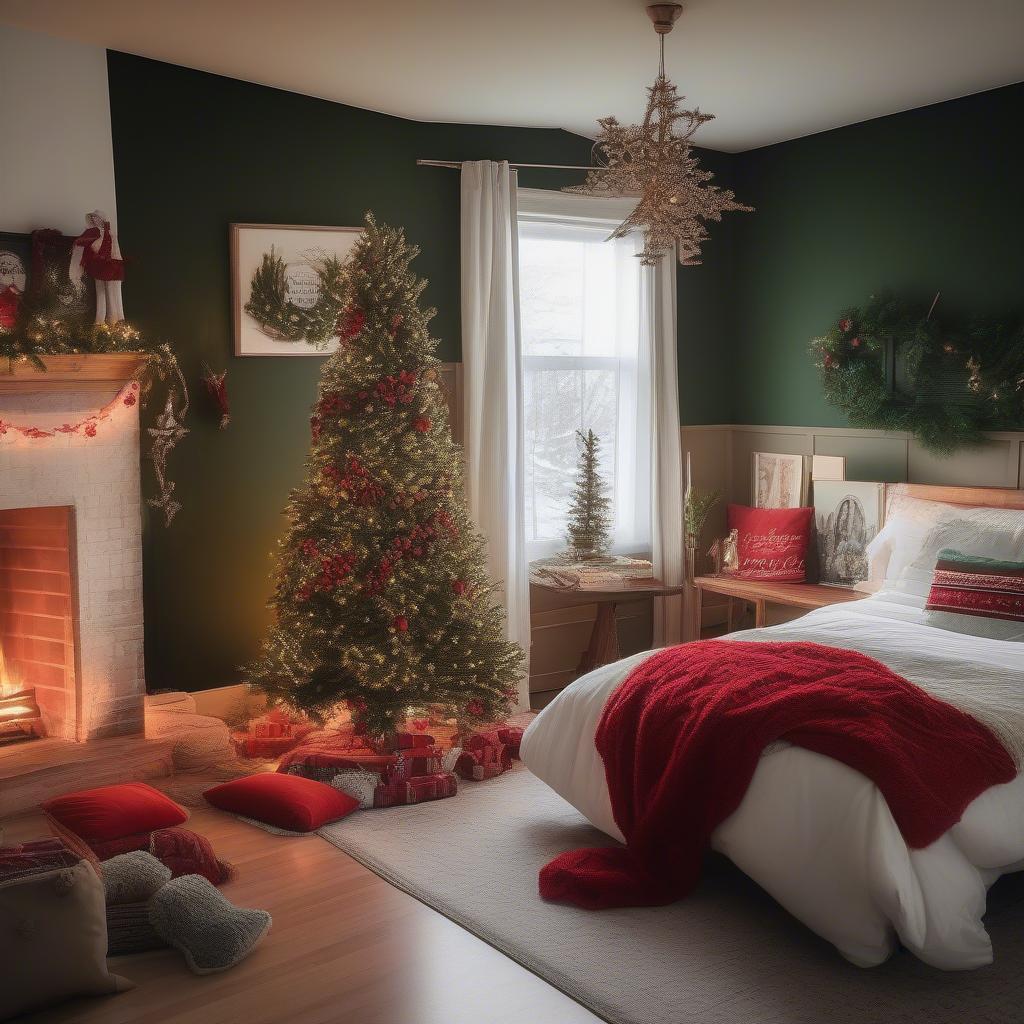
x=779, y=481
x=15, y=256
x=847, y=515
x=283, y=287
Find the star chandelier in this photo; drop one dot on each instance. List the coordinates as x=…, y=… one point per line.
x=655, y=162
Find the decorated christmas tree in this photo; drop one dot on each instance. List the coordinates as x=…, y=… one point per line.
x=590, y=521
x=382, y=599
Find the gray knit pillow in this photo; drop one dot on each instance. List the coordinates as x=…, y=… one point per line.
x=129, y=930
x=190, y=914
x=133, y=877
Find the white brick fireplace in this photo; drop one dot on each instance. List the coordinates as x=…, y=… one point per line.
x=98, y=477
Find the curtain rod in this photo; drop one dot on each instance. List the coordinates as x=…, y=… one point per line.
x=456, y=164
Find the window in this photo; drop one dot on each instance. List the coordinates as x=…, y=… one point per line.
x=585, y=362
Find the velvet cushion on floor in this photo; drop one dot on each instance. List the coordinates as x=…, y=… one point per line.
x=285, y=801
x=111, y=812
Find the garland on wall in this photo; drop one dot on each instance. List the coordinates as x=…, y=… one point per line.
x=893, y=366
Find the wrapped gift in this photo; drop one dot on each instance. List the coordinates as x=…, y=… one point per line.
x=512, y=737
x=411, y=740
x=397, y=792
x=483, y=756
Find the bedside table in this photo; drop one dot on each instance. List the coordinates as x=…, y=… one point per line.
x=762, y=593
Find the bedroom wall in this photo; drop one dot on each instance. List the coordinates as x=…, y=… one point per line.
x=194, y=152
x=56, y=161
x=920, y=202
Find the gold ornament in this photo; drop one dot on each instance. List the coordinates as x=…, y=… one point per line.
x=654, y=161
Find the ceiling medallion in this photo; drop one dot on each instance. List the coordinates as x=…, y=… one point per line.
x=654, y=161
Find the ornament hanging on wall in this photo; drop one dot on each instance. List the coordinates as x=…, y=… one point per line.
x=217, y=389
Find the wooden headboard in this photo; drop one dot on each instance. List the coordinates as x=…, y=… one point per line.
x=973, y=497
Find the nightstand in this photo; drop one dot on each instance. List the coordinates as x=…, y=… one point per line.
x=762, y=593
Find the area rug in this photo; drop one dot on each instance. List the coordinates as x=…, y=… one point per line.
x=728, y=954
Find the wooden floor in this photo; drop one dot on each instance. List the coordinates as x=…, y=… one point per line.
x=345, y=946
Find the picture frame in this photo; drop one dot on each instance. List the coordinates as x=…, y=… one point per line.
x=847, y=516
x=778, y=481
x=277, y=270
x=828, y=467
x=15, y=275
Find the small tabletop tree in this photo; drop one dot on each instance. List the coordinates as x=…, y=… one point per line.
x=590, y=520
x=381, y=595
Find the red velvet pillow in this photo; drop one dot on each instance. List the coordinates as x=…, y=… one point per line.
x=111, y=812
x=284, y=801
x=772, y=542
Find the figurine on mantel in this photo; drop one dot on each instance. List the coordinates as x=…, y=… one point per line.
x=95, y=252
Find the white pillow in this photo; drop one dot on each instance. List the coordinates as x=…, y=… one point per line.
x=979, y=532
x=905, y=550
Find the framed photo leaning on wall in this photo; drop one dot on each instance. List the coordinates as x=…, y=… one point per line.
x=779, y=481
x=847, y=515
x=284, y=297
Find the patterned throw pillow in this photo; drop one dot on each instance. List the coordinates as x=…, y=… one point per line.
x=972, y=585
x=772, y=542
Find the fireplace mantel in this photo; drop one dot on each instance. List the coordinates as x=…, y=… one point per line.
x=102, y=371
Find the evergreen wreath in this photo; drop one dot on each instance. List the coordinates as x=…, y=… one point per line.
x=280, y=318
x=894, y=366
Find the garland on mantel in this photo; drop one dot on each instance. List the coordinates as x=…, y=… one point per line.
x=86, y=427
x=44, y=329
x=892, y=366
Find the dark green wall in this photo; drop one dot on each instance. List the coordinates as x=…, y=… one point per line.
x=920, y=202
x=194, y=152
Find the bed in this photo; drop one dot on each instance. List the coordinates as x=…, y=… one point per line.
x=818, y=835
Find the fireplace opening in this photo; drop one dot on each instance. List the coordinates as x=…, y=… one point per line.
x=38, y=628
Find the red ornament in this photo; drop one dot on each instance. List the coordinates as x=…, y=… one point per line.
x=829, y=362
x=476, y=708
x=855, y=342
x=422, y=424
x=90, y=430
x=401, y=623
x=459, y=586
x=845, y=325
x=351, y=323
x=129, y=399
x=217, y=389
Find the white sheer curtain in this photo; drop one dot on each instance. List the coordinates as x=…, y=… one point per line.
x=659, y=304
x=493, y=385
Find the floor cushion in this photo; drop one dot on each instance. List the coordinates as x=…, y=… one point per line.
x=112, y=812
x=129, y=930
x=186, y=852
x=193, y=916
x=133, y=877
x=285, y=801
x=53, y=939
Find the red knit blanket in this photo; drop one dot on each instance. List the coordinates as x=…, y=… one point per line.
x=682, y=735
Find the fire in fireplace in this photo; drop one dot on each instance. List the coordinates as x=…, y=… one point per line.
x=37, y=626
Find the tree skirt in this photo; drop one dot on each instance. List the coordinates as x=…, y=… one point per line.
x=728, y=954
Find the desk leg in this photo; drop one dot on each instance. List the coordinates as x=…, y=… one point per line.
x=604, y=640
x=729, y=624
x=760, y=615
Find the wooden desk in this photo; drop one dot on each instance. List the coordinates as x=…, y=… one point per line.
x=604, y=637
x=761, y=593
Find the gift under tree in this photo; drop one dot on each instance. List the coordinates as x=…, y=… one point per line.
x=383, y=604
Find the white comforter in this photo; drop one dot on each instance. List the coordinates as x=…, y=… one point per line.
x=818, y=835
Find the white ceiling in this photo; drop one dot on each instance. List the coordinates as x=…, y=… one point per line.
x=769, y=69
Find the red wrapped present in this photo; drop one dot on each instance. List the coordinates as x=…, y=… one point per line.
x=410, y=740
x=483, y=756
x=419, y=789
x=512, y=737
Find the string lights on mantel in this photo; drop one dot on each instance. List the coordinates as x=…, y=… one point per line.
x=653, y=162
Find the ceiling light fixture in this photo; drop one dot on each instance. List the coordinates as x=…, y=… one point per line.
x=655, y=162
